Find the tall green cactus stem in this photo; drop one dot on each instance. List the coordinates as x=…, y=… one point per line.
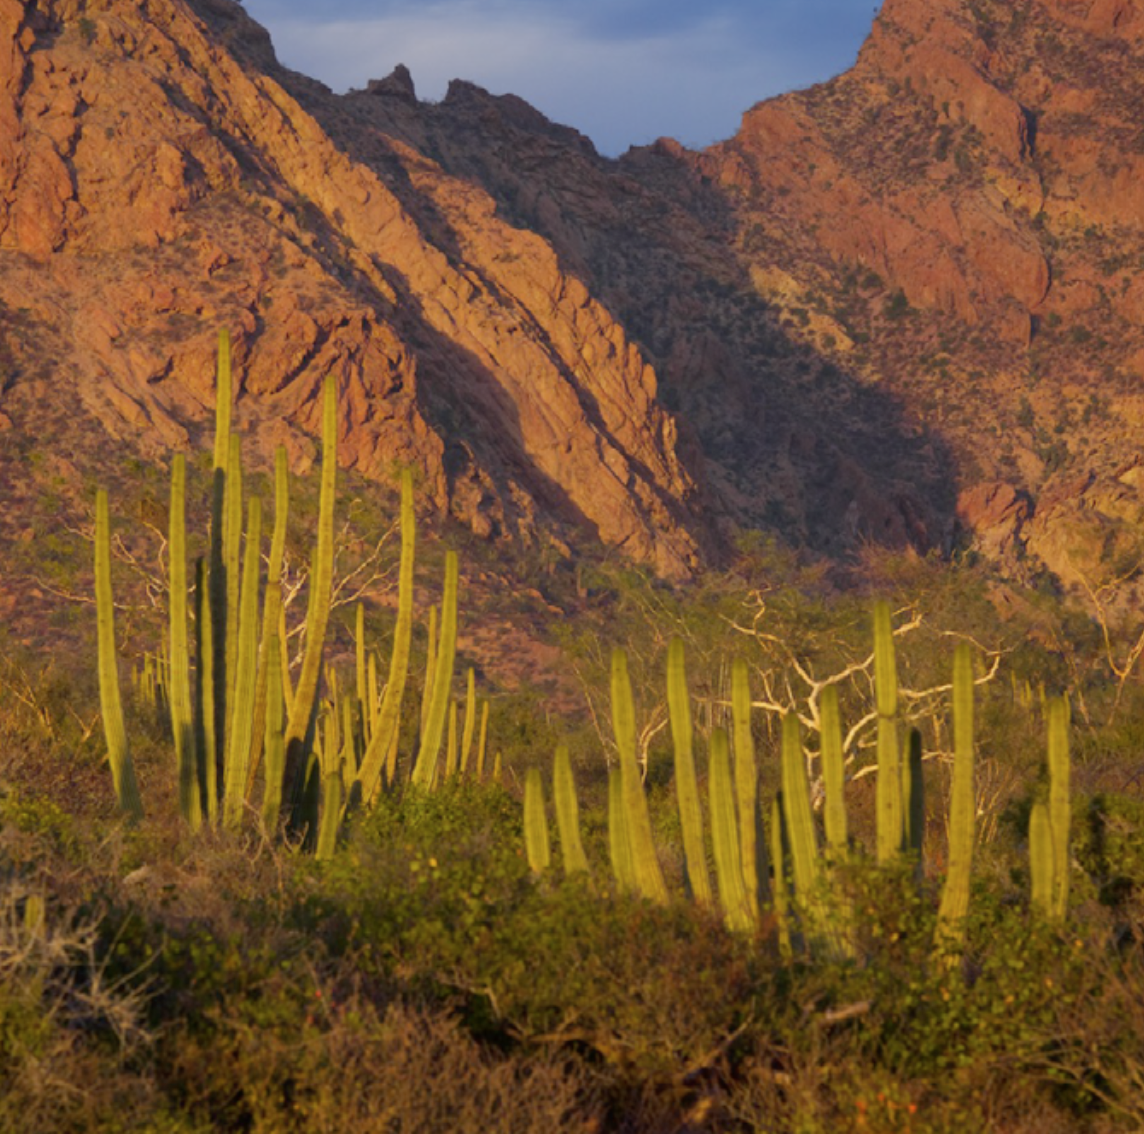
x=217, y=573
x=430, y=670
x=888, y=801
x=331, y=815
x=239, y=732
x=374, y=696
x=232, y=548
x=1041, y=865
x=498, y=773
x=382, y=749
x=360, y=667
x=781, y=898
x=205, y=754
x=733, y=894
x=452, y=745
x=470, y=719
x=833, y=774
x=686, y=782
x=567, y=813
x=797, y=813
x=424, y=770
x=318, y=605
x=913, y=792
x=483, y=740
x=1060, y=813
x=110, y=702
x=752, y=842
x=955, y=893
x=271, y=613
x=535, y=823
x=645, y=861
x=182, y=723
x=275, y=739
x=619, y=840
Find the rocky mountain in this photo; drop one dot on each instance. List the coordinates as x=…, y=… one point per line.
x=902, y=307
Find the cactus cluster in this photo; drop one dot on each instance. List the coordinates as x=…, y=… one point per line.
x=233, y=707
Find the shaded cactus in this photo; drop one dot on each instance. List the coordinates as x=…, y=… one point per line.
x=733, y=893
x=470, y=719
x=913, y=794
x=567, y=813
x=780, y=894
x=483, y=741
x=645, y=861
x=797, y=813
x=1041, y=859
x=955, y=894
x=833, y=774
x=752, y=841
x=205, y=754
x=110, y=702
x=619, y=842
x=275, y=740
x=536, y=841
x=686, y=783
x=1060, y=812
x=182, y=723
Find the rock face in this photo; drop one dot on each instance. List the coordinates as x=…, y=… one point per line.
x=159, y=180
x=904, y=307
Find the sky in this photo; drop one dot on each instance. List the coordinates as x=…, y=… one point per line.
x=624, y=72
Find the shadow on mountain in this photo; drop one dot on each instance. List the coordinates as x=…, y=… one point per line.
x=782, y=437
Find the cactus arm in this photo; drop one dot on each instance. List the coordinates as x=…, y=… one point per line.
x=470, y=719
x=645, y=861
x=205, y=753
x=752, y=844
x=889, y=788
x=111, y=704
x=182, y=724
x=619, y=842
x=483, y=741
x=955, y=894
x=1041, y=854
x=833, y=774
x=536, y=841
x=779, y=893
x=318, y=605
x=567, y=813
x=686, y=783
x=275, y=739
x=423, y=772
x=1060, y=816
x=796, y=807
x=733, y=894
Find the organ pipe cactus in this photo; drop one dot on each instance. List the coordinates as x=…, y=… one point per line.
x=913, y=795
x=889, y=789
x=781, y=898
x=955, y=894
x=645, y=862
x=752, y=843
x=833, y=773
x=111, y=704
x=797, y=813
x=424, y=771
x=182, y=724
x=470, y=719
x=536, y=840
x=1060, y=815
x=567, y=813
x=318, y=605
x=1041, y=865
x=619, y=841
x=382, y=749
x=733, y=894
x=686, y=783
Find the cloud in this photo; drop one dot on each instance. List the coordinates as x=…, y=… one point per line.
x=624, y=73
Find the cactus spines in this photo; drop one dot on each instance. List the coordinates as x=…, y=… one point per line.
x=752, y=843
x=733, y=894
x=889, y=787
x=246, y=668
x=1041, y=852
x=110, y=702
x=535, y=823
x=424, y=771
x=955, y=893
x=382, y=749
x=1060, y=815
x=686, y=783
x=182, y=725
x=567, y=812
x=645, y=861
x=318, y=604
x=833, y=773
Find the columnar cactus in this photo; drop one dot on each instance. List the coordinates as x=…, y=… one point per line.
x=889, y=789
x=111, y=704
x=733, y=894
x=425, y=769
x=568, y=813
x=686, y=783
x=182, y=723
x=752, y=842
x=833, y=773
x=536, y=840
x=1060, y=813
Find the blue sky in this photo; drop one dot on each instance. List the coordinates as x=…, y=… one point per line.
x=624, y=72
